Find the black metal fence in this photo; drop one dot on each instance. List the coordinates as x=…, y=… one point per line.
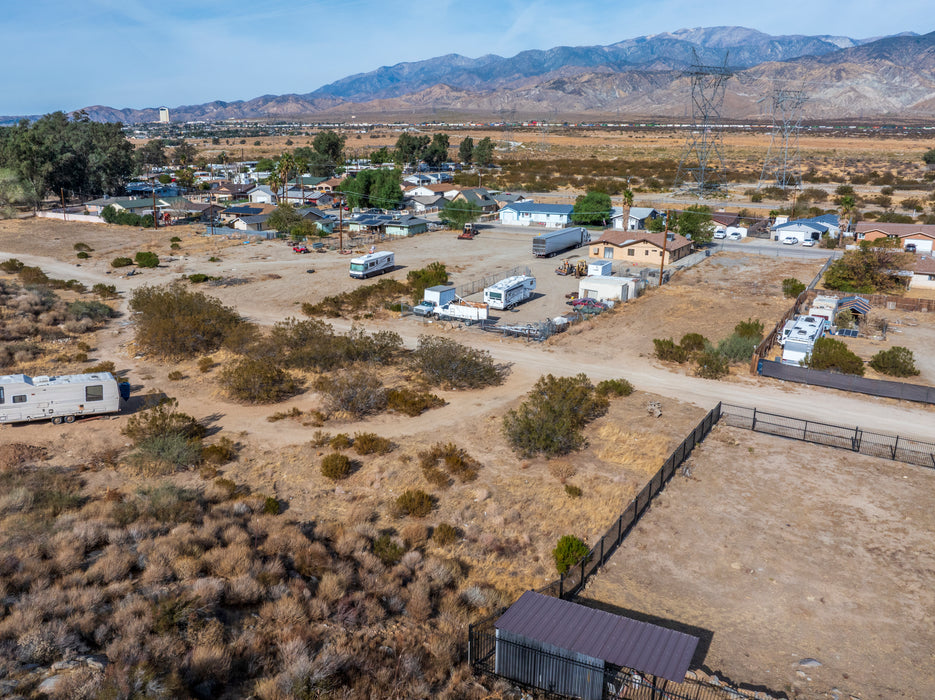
x=556, y=676
x=846, y=382
x=888, y=446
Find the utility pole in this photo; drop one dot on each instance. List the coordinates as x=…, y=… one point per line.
x=155, y=217
x=341, y=227
x=64, y=213
x=665, y=239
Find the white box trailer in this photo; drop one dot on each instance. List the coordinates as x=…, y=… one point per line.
x=462, y=310
x=548, y=244
x=24, y=399
x=604, y=288
x=604, y=268
x=509, y=292
x=371, y=264
x=439, y=295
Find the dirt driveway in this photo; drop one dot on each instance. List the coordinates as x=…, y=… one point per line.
x=786, y=551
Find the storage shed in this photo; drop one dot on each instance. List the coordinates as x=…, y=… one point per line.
x=606, y=288
x=567, y=649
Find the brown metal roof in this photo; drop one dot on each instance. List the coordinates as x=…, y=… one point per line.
x=602, y=635
x=624, y=238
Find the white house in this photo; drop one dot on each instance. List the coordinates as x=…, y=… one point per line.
x=262, y=194
x=636, y=221
x=808, y=229
x=448, y=191
x=533, y=214
x=606, y=288
x=923, y=275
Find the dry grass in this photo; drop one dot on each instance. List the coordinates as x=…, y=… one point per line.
x=642, y=453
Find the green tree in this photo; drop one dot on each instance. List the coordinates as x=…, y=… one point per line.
x=285, y=168
x=831, y=354
x=896, y=362
x=437, y=152
x=381, y=156
x=929, y=157
x=483, y=152
x=377, y=188
x=265, y=165
x=185, y=177
x=568, y=552
x=695, y=223
x=185, y=153
x=14, y=193
x=330, y=145
x=284, y=218
x=592, y=209
x=409, y=148
x=457, y=214
x=869, y=269
x=466, y=150
x=152, y=155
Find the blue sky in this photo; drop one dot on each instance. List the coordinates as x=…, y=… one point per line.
x=68, y=54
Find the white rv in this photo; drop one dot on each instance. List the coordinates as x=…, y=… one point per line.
x=59, y=399
x=372, y=264
x=509, y=292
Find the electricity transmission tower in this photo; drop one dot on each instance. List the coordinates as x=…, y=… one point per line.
x=781, y=167
x=701, y=169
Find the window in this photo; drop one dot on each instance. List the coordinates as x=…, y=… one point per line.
x=630, y=251
x=94, y=392
x=1, y=395
x=646, y=252
x=608, y=253
x=19, y=399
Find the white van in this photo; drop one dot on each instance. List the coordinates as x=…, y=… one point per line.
x=372, y=264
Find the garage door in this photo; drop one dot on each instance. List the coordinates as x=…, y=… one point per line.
x=923, y=245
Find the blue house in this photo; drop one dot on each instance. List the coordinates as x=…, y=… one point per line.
x=808, y=229
x=534, y=214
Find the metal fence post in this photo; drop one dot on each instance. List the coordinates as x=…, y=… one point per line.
x=561, y=585
x=753, y=427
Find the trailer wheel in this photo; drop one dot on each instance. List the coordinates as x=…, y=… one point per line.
x=57, y=420
x=69, y=419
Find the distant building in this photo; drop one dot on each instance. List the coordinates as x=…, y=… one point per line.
x=163, y=115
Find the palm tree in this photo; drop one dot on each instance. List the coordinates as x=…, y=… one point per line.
x=273, y=181
x=847, y=203
x=285, y=167
x=627, y=203
x=301, y=167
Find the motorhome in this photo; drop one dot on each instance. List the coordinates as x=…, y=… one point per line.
x=801, y=338
x=59, y=399
x=371, y=264
x=509, y=292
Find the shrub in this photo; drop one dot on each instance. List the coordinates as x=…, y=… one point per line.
x=791, y=287
x=410, y=402
x=335, y=466
x=431, y=275
x=366, y=297
x=371, y=443
x=712, y=365
x=387, y=550
x=573, y=491
x=255, y=380
x=175, y=376
x=105, y=291
x=834, y=355
x=33, y=275
x=163, y=419
x=896, y=362
x=668, y=351
x=173, y=321
x=105, y=366
x=457, y=463
x=737, y=348
x=198, y=278
x=750, y=329
x=693, y=342
x=221, y=452
x=844, y=319
x=271, y=506
x=214, y=258
x=145, y=258
x=568, y=552
x=444, y=534
x=171, y=450
x=205, y=364
x=175, y=239
x=12, y=266
x=341, y=441
x=121, y=262
x=414, y=502
x=358, y=393
x=614, y=387
x=448, y=363
x=83, y=255
x=95, y=310
x=550, y=420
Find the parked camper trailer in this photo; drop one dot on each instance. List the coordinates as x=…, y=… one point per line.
x=59, y=399
x=509, y=292
x=801, y=339
x=548, y=244
x=462, y=310
x=372, y=264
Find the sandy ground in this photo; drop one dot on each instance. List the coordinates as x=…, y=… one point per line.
x=785, y=551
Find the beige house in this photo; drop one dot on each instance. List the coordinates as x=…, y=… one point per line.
x=920, y=236
x=923, y=274
x=639, y=247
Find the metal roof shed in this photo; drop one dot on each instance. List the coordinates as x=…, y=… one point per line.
x=563, y=647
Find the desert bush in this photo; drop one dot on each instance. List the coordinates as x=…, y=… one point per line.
x=791, y=287
x=341, y=441
x=199, y=277
x=104, y=366
x=737, y=348
x=293, y=412
x=448, y=363
x=173, y=321
x=844, y=319
x=105, y=291
x=335, y=466
x=387, y=550
x=161, y=420
x=444, y=534
x=33, y=275
x=410, y=402
x=834, y=355
x=415, y=503
x=271, y=506
x=371, y=443
x=95, y=310
x=713, y=365
x=551, y=419
x=750, y=329
x=320, y=438
x=175, y=376
x=313, y=344
x=205, y=364
x=573, y=491
x=163, y=453
x=668, y=351
x=146, y=258
x=457, y=463
x=431, y=275
x=83, y=255
x=221, y=452
x=368, y=297
x=12, y=266
x=174, y=246
x=614, y=387
x=896, y=362
x=693, y=342
x=568, y=552
x=358, y=393
x=168, y=503
x=255, y=380
x=121, y=262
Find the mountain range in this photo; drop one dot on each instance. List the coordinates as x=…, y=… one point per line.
x=844, y=78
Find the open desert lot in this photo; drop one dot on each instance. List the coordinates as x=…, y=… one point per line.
x=786, y=551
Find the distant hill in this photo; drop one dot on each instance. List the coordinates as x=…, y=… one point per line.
x=845, y=78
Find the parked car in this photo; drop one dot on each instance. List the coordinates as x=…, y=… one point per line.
x=735, y=236
x=789, y=240
x=720, y=234
x=808, y=243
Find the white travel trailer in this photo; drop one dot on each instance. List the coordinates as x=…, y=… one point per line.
x=509, y=292
x=59, y=399
x=372, y=264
